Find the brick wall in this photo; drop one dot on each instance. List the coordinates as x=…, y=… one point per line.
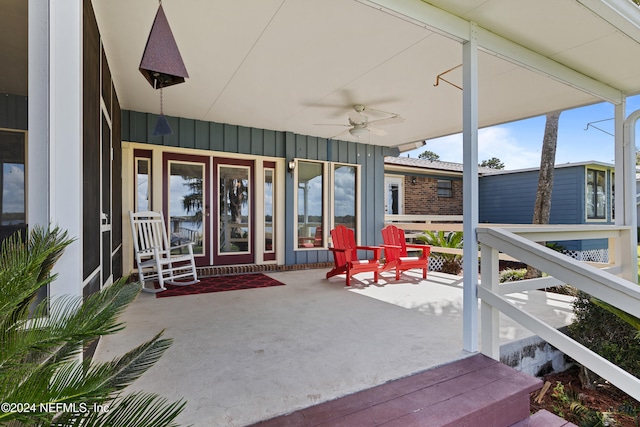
x=422, y=198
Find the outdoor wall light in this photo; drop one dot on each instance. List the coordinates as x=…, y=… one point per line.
x=291, y=166
x=414, y=180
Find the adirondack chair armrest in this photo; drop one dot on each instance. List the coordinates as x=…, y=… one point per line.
x=347, y=253
x=377, y=250
x=391, y=247
x=426, y=249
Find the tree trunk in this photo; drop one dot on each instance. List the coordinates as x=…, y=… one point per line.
x=542, y=206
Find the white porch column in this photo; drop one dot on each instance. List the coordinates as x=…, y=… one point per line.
x=38, y=127
x=625, y=199
x=470, y=190
x=65, y=137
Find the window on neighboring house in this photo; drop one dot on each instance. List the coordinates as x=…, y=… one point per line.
x=613, y=196
x=445, y=188
x=596, y=194
x=310, y=204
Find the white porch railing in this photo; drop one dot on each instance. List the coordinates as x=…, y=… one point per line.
x=519, y=242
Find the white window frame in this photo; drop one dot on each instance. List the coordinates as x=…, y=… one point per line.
x=332, y=197
x=328, y=202
x=607, y=206
x=390, y=180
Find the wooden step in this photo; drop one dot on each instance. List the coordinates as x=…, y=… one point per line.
x=544, y=418
x=475, y=391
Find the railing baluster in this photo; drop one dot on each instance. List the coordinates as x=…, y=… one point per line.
x=490, y=316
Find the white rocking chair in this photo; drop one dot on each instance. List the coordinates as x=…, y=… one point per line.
x=154, y=254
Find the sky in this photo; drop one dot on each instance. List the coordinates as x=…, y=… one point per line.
x=518, y=144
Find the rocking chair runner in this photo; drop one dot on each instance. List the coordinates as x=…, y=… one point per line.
x=396, y=255
x=345, y=255
x=154, y=254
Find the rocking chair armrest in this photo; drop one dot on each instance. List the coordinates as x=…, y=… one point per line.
x=182, y=245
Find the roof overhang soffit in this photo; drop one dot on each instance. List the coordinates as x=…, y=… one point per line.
x=435, y=19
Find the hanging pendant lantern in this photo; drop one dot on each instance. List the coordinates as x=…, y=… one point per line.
x=162, y=64
x=162, y=125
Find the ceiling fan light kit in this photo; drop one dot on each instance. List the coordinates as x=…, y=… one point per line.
x=358, y=131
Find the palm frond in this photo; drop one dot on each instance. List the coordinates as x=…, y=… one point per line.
x=39, y=346
x=25, y=268
x=132, y=410
x=98, y=380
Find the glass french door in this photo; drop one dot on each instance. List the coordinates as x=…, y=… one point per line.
x=186, y=202
x=233, y=219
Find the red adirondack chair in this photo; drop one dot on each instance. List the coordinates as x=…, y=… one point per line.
x=395, y=252
x=345, y=255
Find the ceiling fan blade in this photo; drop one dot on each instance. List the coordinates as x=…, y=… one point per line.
x=331, y=124
x=346, y=132
x=357, y=118
x=377, y=132
x=387, y=121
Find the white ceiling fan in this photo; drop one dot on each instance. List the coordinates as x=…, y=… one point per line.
x=360, y=125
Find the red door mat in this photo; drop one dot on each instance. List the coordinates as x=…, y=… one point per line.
x=220, y=284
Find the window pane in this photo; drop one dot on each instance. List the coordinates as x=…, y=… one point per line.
x=234, y=209
x=596, y=194
x=591, y=207
x=143, y=177
x=445, y=188
x=310, y=204
x=185, y=204
x=345, y=196
x=393, y=196
x=601, y=201
x=268, y=210
x=12, y=203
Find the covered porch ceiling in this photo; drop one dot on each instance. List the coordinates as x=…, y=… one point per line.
x=300, y=65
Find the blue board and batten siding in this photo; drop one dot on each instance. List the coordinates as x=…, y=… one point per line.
x=196, y=134
x=509, y=199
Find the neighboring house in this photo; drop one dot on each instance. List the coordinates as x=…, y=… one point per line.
x=423, y=187
x=583, y=193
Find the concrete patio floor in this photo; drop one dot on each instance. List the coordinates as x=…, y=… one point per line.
x=243, y=356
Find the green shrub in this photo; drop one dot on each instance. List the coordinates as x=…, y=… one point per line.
x=606, y=334
x=451, y=263
x=512, y=275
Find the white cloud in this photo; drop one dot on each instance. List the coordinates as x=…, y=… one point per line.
x=495, y=141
